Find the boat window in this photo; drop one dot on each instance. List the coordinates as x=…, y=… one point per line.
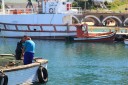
x=83, y=28
x=35, y=28
x=2, y=26
x=11, y=27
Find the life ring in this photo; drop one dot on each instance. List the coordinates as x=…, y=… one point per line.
x=51, y=10
x=42, y=74
x=3, y=79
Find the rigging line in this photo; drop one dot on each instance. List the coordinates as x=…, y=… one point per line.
x=53, y=13
x=52, y=18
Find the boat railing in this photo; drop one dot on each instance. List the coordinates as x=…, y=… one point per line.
x=71, y=10
x=20, y=11
x=39, y=27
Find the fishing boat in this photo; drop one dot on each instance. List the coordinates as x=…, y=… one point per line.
x=13, y=72
x=126, y=41
x=85, y=36
x=51, y=19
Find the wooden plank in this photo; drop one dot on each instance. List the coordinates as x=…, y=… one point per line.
x=6, y=55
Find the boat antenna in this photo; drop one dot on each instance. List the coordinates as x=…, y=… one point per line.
x=3, y=6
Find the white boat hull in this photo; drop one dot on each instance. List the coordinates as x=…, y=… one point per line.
x=23, y=74
x=33, y=18
x=36, y=34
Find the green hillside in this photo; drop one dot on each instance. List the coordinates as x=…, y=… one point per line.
x=118, y=5
x=121, y=8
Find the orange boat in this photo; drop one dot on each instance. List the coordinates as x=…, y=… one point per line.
x=84, y=35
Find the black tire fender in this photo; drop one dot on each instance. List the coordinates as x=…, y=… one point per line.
x=3, y=79
x=42, y=74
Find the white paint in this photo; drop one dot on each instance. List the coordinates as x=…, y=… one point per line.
x=25, y=76
x=33, y=19
x=57, y=6
x=44, y=34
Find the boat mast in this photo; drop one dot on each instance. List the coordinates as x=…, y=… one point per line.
x=3, y=6
x=44, y=6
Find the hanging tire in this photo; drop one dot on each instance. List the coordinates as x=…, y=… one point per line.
x=3, y=79
x=42, y=74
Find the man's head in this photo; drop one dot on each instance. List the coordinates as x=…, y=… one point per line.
x=28, y=38
x=25, y=37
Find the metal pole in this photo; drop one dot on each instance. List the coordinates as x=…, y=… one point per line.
x=3, y=6
x=85, y=5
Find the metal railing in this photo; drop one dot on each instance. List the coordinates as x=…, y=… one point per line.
x=19, y=11
x=72, y=10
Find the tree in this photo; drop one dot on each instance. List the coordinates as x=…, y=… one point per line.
x=75, y=4
x=81, y=3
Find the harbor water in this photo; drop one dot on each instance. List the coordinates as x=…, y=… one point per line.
x=80, y=63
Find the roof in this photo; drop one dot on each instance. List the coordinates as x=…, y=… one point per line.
x=18, y=1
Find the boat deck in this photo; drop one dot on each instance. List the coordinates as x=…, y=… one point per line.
x=20, y=65
x=8, y=63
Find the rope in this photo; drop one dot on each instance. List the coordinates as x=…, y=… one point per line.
x=52, y=19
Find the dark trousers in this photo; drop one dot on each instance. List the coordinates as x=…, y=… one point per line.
x=28, y=57
x=18, y=56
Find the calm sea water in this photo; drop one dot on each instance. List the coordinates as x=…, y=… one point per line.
x=80, y=63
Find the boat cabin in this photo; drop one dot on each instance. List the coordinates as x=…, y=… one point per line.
x=43, y=6
x=82, y=31
x=56, y=6
x=46, y=12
